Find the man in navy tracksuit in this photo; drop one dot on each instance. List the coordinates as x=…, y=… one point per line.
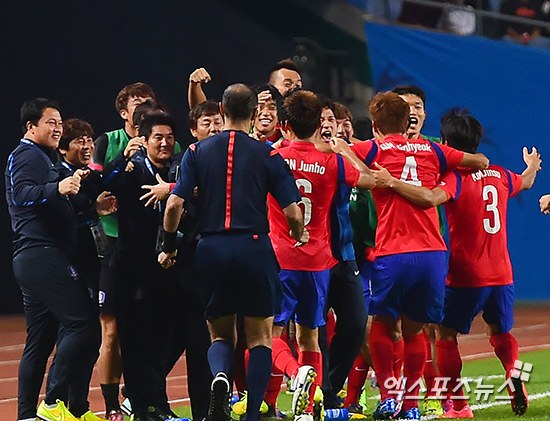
x=54, y=296
x=235, y=260
x=143, y=288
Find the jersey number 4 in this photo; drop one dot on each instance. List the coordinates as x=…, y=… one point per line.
x=409, y=173
x=490, y=195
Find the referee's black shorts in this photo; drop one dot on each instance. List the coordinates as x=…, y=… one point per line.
x=239, y=274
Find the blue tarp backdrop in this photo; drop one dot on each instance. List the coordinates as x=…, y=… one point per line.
x=507, y=88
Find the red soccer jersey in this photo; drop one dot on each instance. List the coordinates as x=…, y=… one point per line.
x=404, y=227
x=317, y=176
x=476, y=211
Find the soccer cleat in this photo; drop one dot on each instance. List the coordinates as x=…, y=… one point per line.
x=126, y=406
x=220, y=399
x=411, y=414
x=465, y=412
x=301, y=384
x=90, y=416
x=58, y=413
x=239, y=407
x=115, y=415
x=385, y=410
x=432, y=407
x=318, y=405
x=356, y=411
x=520, y=399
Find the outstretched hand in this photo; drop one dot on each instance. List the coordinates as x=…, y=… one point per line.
x=157, y=192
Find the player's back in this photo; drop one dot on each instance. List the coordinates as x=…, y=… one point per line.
x=476, y=214
x=404, y=227
x=234, y=176
x=317, y=177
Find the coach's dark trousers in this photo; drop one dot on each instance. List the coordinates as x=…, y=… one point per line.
x=55, y=301
x=345, y=296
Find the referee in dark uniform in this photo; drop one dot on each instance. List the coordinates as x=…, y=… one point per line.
x=235, y=259
x=45, y=242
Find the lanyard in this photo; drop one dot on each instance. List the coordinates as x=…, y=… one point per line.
x=150, y=168
x=67, y=166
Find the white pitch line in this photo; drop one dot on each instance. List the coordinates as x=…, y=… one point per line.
x=491, y=404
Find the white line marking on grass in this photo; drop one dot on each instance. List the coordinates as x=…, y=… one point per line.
x=8, y=348
x=491, y=404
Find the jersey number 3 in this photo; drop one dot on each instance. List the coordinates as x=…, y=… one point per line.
x=490, y=193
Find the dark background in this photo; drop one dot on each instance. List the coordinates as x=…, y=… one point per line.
x=83, y=53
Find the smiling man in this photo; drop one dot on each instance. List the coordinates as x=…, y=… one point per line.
x=55, y=297
x=142, y=287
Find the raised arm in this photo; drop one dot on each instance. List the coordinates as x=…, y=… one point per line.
x=533, y=162
x=421, y=196
x=195, y=94
x=366, y=178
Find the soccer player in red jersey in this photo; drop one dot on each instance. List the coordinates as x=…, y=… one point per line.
x=480, y=272
x=409, y=268
x=305, y=270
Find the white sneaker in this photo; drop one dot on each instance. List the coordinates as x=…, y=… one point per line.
x=300, y=385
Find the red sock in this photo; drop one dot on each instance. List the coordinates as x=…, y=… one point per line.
x=283, y=359
x=314, y=359
x=381, y=350
x=356, y=380
x=415, y=359
x=274, y=386
x=450, y=366
x=430, y=372
x=506, y=349
x=398, y=351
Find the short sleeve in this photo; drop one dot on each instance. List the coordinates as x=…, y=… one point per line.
x=282, y=184
x=187, y=180
x=451, y=183
x=449, y=158
x=365, y=151
x=347, y=173
x=514, y=182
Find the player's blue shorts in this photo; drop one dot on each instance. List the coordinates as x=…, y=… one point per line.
x=239, y=275
x=409, y=283
x=462, y=305
x=305, y=296
x=366, y=276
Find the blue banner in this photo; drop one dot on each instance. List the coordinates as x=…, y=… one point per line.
x=507, y=88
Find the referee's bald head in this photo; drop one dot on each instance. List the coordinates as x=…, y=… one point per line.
x=239, y=102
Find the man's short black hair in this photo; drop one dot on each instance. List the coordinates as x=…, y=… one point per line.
x=411, y=89
x=206, y=108
x=147, y=107
x=157, y=118
x=275, y=94
x=460, y=130
x=34, y=109
x=287, y=63
x=303, y=113
x=239, y=102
